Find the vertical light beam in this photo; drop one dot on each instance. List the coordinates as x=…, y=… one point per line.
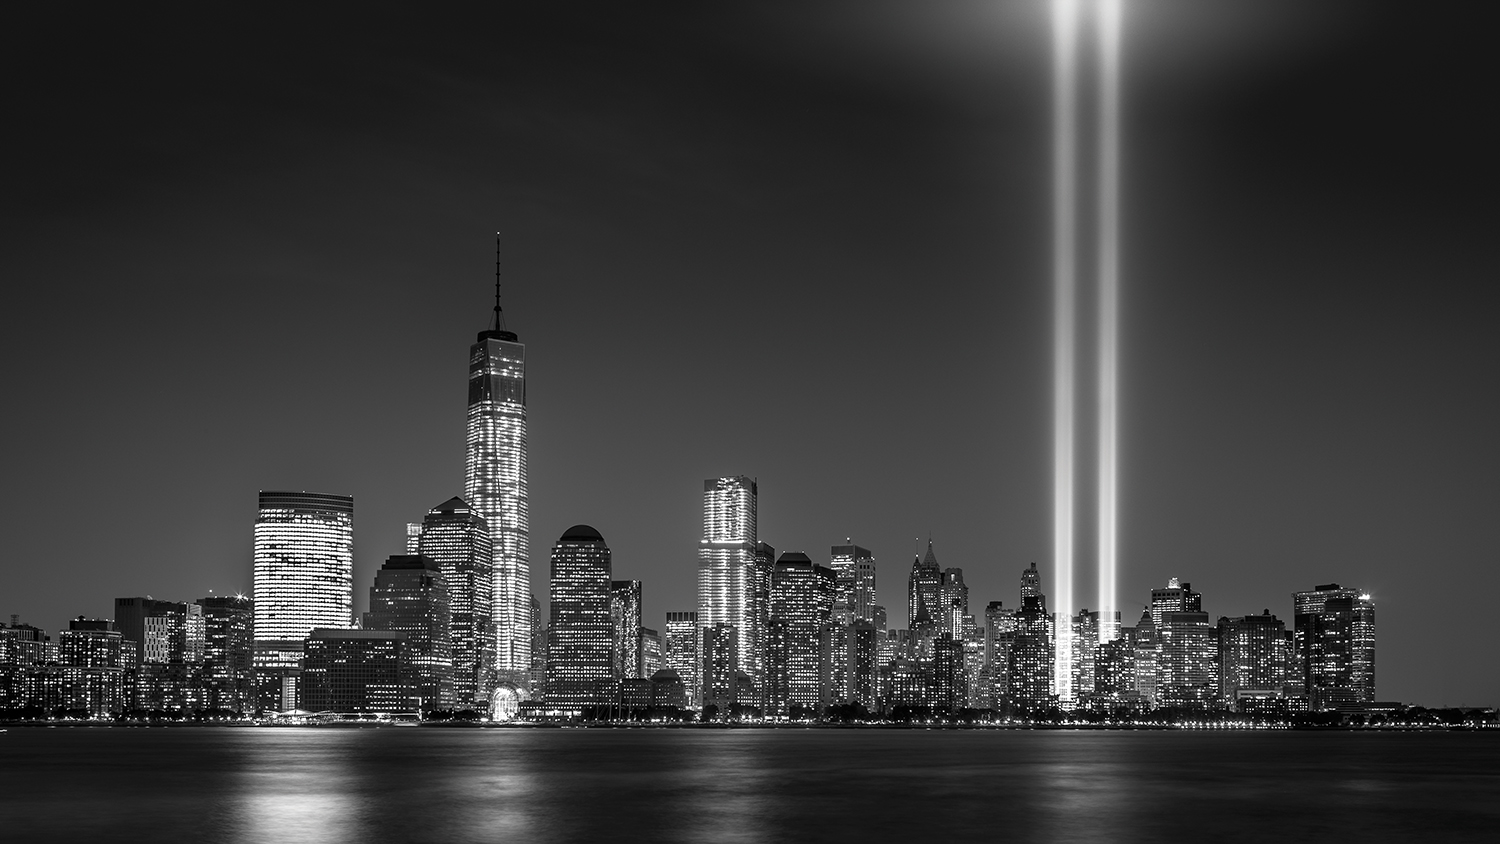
x=1064, y=290
x=1108, y=29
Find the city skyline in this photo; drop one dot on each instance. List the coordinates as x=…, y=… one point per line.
x=1316, y=415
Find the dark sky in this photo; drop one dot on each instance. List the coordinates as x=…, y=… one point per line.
x=803, y=242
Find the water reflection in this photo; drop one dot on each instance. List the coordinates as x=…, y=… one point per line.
x=866, y=786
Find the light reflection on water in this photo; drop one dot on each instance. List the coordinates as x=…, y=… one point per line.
x=253, y=785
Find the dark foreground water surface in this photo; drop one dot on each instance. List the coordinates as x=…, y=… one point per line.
x=869, y=786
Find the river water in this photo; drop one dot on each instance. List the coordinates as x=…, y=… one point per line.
x=289, y=785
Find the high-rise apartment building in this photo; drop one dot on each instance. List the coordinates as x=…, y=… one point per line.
x=410, y=596
x=304, y=578
x=455, y=536
x=496, y=485
x=727, y=580
x=580, y=660
x=1334, y=631
x=1185, y=666
x=228, y=649
x=680, y=652
x=625, y=621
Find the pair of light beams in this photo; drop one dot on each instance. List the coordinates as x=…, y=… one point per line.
x=1067, y=24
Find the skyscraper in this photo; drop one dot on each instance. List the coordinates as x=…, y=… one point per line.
x=680, y=651
x=459, y=540
x=855, y=568
x=625, y=620
x=167, y=638
x=726, y=567
x=410, y=596
x=580, y=662
x=228, y=648
x=924, y=593
x=304, y=578
x=93, y=677
x=1252, y=657
x=496, y=486
x=1335, y=638
x=802, y=595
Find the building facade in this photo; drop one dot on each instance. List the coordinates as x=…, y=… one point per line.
x=580, y=657
x=457, y=537
x=228, y=653
x=364, y=671
x=410, y=596
x=625, y=621
x=1334, y=632
x=727, y=563
x=304, y=578
x=496, y=486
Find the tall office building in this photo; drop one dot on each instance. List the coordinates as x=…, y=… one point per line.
x=999, y=636
x=580, y=661
x=228, y=648
x=1085, y=638
x=760, y=603
x=1030, y=681
x=680, y=651
x=1185, y=669
x=304, y=578
x=727, y=567
x=459, y=540
x=496, y=485
x=410, y=596
x=854, y=568
x=802, y=596
x=1334, y=631
x=625, y=621
x=924, y=597
x=1175, y=597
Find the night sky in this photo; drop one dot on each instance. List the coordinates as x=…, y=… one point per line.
x=809, y=243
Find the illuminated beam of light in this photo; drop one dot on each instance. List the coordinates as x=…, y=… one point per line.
x=1064, y=287
x=1108, y=30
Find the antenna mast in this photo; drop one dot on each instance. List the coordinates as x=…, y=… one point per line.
x=499, y=318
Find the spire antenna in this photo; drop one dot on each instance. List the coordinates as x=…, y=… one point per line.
x=499, y=317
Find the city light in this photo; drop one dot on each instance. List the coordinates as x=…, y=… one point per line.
x=1108, y=30
x=1064, y=304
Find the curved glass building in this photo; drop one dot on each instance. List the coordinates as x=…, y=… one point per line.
x=304, y=578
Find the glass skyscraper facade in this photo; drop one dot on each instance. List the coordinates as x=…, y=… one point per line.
x=580, y=664
x=304, y=571
x=304, y=578
x=855, y=568
x=410, y=596
x=680, y=651
x=625, y=618
x=727, y=567
x=1334, y=631
x=496, y=486
x=459, y=540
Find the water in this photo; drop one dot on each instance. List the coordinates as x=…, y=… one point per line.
x=867, y=786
